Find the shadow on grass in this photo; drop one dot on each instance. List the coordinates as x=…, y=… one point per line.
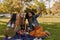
x=4, y=17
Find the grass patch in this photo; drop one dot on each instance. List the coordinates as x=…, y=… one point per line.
x=1, y=38
x=53, y=28
x=2, y=27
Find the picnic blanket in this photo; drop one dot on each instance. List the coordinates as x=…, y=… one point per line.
x=20, y=37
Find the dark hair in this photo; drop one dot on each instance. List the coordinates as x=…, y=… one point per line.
x=26, y=16
x=13, y=18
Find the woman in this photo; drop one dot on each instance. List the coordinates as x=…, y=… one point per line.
x=11, y=23
x=9, y=31
x=32, y=18
x=20, y=21
x=36, y=29
x=20, y=26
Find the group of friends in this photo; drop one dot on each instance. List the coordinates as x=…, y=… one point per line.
x=31, y=31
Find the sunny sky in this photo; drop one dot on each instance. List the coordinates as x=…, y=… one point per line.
x=47, y=4
x=1, y=0
x=51, y=3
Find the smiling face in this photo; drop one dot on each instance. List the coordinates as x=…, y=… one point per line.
x=21, y=15
x=30, y=14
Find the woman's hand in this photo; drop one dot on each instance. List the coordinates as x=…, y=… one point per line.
x=33, y=24
x=40, y=11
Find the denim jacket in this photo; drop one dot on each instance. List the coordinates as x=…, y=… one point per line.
x=34, y=19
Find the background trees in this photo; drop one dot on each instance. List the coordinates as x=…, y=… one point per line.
x=11, y=6
x=17, y=5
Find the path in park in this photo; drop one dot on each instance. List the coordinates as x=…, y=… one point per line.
x=48, y=20
x=40, y=20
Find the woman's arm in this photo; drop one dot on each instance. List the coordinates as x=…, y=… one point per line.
x=17, y=21
x=25, y=24
x=39, y=13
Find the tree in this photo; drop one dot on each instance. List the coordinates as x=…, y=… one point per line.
x=13, y=5
x=3, y=8
x=56, y=8
x=17, y=5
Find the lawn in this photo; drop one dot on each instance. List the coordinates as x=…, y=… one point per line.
x=52, y=27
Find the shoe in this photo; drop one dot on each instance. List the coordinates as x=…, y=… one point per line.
x=35, y=39
x=40, y=39
x=48, y=33
x=9, y=37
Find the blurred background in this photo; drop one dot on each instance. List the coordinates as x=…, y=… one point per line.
x=50, y=19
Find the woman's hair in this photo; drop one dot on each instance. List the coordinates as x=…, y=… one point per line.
x=27, y=16
x=13, y=18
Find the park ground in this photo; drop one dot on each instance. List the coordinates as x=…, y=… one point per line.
x=50, y=24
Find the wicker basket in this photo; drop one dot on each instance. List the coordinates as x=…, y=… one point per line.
x=10, y=32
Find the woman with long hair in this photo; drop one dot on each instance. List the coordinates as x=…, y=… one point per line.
x=12, y=21
x=9, y=31
x=36, y=29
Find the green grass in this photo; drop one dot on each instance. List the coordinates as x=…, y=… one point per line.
x=1, y=39
x=53, y=28
x=2, y=27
